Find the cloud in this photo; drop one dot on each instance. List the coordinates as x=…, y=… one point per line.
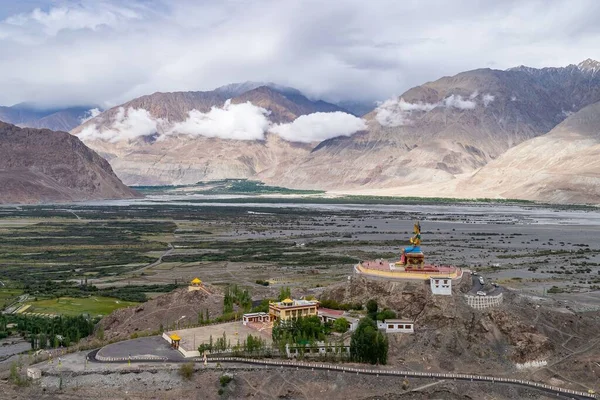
x=108, y=52
x=457, y=101
x=487, y=99
x=89, y=114
x=319, y=126
x=126, y=125
x=396, y=112
x=234, y=121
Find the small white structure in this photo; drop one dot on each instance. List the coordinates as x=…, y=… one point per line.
x=255, y=317
x=34, y=373
x=441, y=286
x=396, y=326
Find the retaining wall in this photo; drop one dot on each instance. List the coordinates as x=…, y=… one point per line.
x=465, y=377
x=482, y=302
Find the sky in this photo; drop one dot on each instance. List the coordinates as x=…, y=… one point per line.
x=106, y=52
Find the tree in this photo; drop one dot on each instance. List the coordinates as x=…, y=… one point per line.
x=386, y=314
x=368, y=344
x=341, y=325
x=372, y=308
x=284, y=293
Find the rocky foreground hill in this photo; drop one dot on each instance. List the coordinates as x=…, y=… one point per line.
x=39, y=165
x=451, y=336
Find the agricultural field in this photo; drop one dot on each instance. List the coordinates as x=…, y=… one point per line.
x=133, y=252
x=95, y=306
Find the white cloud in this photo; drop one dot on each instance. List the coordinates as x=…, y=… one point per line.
x=234, y=121
x=126, y=125
x=89, y=114
x=396, y=112
x=110, y=51
x=487, y=99
x=319, y=126
x=457, y=101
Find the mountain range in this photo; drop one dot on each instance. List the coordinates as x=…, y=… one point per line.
x=519, y=133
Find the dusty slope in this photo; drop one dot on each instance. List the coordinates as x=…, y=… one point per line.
x=44, y=166
x=163, y=310
x=562, y=166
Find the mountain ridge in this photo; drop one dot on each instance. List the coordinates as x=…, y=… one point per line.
x=40, y=166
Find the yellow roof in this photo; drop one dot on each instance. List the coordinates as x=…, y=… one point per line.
x=196, y=281
x=175, y=337
x=288, y=301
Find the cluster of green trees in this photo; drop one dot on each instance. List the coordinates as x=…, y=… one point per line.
x=374, y=313
x=54, y=289
x=49, y=332
x=368, y=344
x=252, y=344
x=303, y=330
x=235, y=295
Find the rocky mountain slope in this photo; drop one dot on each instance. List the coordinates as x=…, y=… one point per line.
x=451, y=336
x=25, y=115
x=438, y=133
x=562, y=166
x=452, y=126
x=188, y=158
x=46, y=166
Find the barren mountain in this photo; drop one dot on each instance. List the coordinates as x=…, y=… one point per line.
x=186, y=159
x=284, y=106
x=448, y=127
x=562, y=166
x=46, y=166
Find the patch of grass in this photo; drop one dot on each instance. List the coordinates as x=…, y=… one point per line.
x=76, y=306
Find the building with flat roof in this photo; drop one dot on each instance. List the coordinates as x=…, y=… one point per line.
x=396, y=326
x=291, y=309
x=441, y=285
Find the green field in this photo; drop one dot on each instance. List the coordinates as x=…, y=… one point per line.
x=76, y=306
x=6, y=294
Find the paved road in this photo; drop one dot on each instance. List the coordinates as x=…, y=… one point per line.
x=487, y=288
x=153, y=346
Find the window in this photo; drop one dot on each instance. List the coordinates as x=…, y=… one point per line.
x=391, y=326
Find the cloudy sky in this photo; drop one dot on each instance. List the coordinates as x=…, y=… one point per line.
x=75, y=52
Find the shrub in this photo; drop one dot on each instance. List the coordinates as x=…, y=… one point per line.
x=186, y=370
x=225, y=379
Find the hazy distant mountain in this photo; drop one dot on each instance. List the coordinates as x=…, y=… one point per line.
x=45, y=166
x=27, y=115
x=236, y=89
x=358, y=108
x=562, y=166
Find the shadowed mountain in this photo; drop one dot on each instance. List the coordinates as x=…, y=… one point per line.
x=39, y=165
